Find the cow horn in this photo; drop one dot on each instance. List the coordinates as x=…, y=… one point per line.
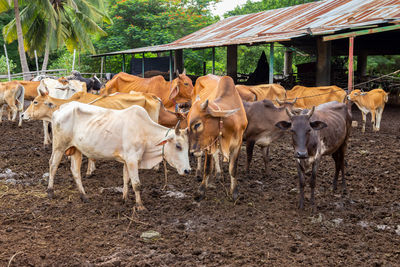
x=204, y=105
x=279, y=102
x=177, y=73
x=311, y=112
x=177, y=127
x=294, y=101
x=289, y=113
x=184, y=72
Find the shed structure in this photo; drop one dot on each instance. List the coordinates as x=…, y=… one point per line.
x=322, y=28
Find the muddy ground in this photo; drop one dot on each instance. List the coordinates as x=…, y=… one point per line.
x=263, y=228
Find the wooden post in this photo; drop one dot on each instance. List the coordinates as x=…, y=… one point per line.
x=287, y=65
x=204, y=68
x=323, y=74
x=101, y=67
x=362, y=60
x=37, y=64
x=105, y=64
x=170, y=66
x=231, y=62
x=213, y=60
x=73, y=60
x=271, y=63
x=143, y=65
x=8, y=64
x=123, y=62
x=178, y=60
x=350, y=79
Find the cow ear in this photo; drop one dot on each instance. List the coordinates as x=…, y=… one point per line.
x=363, y=93
x=174, y=92
x=42, y=92
x=165, y=140
x=283, y=125
x=50, y=105
x=318, y=125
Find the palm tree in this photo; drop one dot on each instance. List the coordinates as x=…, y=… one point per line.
x=4, y=6
x=49, y=24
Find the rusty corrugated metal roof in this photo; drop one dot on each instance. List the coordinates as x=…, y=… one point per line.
x=283, y=24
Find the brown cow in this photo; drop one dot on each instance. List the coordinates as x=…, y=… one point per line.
x=260, y=92
x=12, y=94
x=30, y=89
x=372, y=101
x=308, y=97
x=171, y=93
x=317, y=132
x=217, y=121
x=261, y=130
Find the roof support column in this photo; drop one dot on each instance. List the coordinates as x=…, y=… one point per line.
x=178, y=61
x=213, y=60
x=142, y=65
x=287, y=64
x=362, y=60
x=231, y=61
x=323, y=75
x=170, y=66
x=271, y=63
x=351, y=69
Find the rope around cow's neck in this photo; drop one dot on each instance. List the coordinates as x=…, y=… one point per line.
x=207, y=149
x=165, y=163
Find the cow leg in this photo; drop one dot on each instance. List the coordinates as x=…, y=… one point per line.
x=91, y=167
x=55, y=160
x=76, y=162
x=249, y=151
x=265, y=151
x=335, y=157
x=364, y=119
x=217, y=165
x=47, y=139
x=373, y=120
x=378, y=118
x=342, y=152
x=1, y=112
x=300, y=172
x=234, y=156
x=198, y=169
x=133, y=173
x=12, y=108
x=206, y=173
x=126, y=183
x=312, y=182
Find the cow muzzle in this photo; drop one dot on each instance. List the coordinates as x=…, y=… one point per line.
x=301, y=154
x=25, y=116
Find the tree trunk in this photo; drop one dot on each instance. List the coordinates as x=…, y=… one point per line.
x=22, y=56
x=47, y=49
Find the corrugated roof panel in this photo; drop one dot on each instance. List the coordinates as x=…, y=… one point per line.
x=286, y=23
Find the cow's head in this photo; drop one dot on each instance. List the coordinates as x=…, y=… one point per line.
x=204, y=124
x=41, y=108
x=176, y=150
x=181, y=88
x=302, y=128
x=355, y=95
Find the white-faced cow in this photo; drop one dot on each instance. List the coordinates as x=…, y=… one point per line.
x=129, y=136
x=317, y=132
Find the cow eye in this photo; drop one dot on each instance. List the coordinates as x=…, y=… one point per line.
x=197, y=125
x=355, y=94
x=186, y=84
x=35, y=102
x=178, y=146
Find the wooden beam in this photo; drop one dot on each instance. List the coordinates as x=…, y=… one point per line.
x=231, y=61
x=213, y=60
x=271, y=63
x=362, y=32
x=323, y=75
x=123, y=62
x=142, y=65
x=170, y=66
x=351, y=69
x=362, y=60
x=287, y=65
x=178, y=60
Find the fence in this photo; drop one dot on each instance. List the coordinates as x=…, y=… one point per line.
x=16, y=76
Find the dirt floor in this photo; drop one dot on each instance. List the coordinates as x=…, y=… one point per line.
x=263, y=228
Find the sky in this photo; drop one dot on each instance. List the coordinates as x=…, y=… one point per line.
x=228, y=5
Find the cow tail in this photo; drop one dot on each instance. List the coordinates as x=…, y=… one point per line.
x=386, y=97
x=20, y=97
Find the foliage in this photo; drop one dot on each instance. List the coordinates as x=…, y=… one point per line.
x=383, y=64
x=3, y=65
x=12, y=49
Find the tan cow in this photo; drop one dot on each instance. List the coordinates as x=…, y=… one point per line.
x=171, y=93
x=260, y=92
x=217, y=121
x=12, y=94
x=370, y=102
x=30, y=89
x=308, y=97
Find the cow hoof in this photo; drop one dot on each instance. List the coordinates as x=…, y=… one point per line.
x=88, y=175
x=84, y=198
x=140, y=208
x=235, y=194
x=50, y=193
x=200, y=194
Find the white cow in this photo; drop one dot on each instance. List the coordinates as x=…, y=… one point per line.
x=57, y=89
x=128, y=136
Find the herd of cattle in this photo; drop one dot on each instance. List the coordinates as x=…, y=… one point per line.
x=143, y=121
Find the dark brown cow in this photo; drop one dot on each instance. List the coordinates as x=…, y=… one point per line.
x=317, y=132
x=217, y=121
x=261, y=130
